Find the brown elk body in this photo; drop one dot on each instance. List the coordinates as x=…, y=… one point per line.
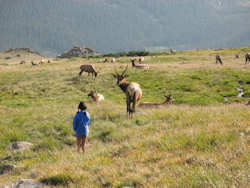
x=169, y=100
x=218, y=59
x=22, y=62
x=247, y=56
x=89, y=69
x=131, y=89
x=96, y=97
x=139, y=66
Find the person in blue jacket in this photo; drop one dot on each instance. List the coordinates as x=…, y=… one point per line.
x=81, y=124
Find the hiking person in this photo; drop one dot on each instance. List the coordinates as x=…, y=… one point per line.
x=81, y=124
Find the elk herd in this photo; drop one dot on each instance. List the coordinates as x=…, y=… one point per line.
x=132, y=90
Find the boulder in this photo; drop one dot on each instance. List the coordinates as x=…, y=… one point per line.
x=6, y=168
x=20, y=146
x=25, y=183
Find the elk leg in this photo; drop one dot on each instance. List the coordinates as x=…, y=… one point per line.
x=80, y=73
x=134, y=102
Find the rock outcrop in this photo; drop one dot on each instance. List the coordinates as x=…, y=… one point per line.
x=18, y=50
x=25, y=183
x=79, y=51
x=6, y=168
x=20, y=146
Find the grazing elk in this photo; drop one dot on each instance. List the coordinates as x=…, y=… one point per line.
x=131, y=89
x=89, y=69
x=247, y=56
x=169, y=100
x=218, y=59
x=140, y=66
x=96, y=97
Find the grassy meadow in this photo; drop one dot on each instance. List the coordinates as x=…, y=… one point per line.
x=202, y=140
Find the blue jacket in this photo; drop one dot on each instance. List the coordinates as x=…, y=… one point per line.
x=81, y=122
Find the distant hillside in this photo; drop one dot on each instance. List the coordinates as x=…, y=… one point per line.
x=54, y=26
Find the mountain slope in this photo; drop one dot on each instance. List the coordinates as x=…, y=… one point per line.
x=116, y=25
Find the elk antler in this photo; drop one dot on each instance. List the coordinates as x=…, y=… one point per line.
x=124, y=70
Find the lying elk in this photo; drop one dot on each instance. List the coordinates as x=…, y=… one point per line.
x=247, y=56
x=89, y=69
x=23, y=62
x=140, y=66
x=131, y=89
x=218, y=59
x=96, y=97
x=32, y=63
x=113, y=60
x=169, y=100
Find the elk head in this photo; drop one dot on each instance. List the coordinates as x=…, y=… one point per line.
x=169, y=98
x=120, y=77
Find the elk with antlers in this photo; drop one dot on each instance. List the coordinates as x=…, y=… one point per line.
x=169, y=100
x=131, y=89
x=96, y=97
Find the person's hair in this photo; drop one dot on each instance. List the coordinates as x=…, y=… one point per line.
x=82, y=106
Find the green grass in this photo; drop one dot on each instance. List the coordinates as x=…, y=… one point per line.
x=199, y=141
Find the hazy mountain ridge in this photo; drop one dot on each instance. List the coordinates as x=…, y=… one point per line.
x=110, y=26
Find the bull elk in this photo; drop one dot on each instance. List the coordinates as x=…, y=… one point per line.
x=89, y=69
x=169, y=100
x=131, y=89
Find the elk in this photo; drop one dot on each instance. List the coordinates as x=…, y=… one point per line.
x=96, y=97
x=247, y=56
x=41, y=62
x=141, y=59
x=172, y=51
x=89, y=69
x=131, y=89
x=237, y=56
x=113, y=60
x=32, y=63
x=169, y=100
x=218, y=59
x=140, y=66
x=22, y=62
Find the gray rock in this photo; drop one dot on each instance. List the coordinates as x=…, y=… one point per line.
x=25, y=183
x=6, y=168
x=78, y=51
x=21, y=146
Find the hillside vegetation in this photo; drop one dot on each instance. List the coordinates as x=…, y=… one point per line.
x=54, y=26
x=199, y=141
